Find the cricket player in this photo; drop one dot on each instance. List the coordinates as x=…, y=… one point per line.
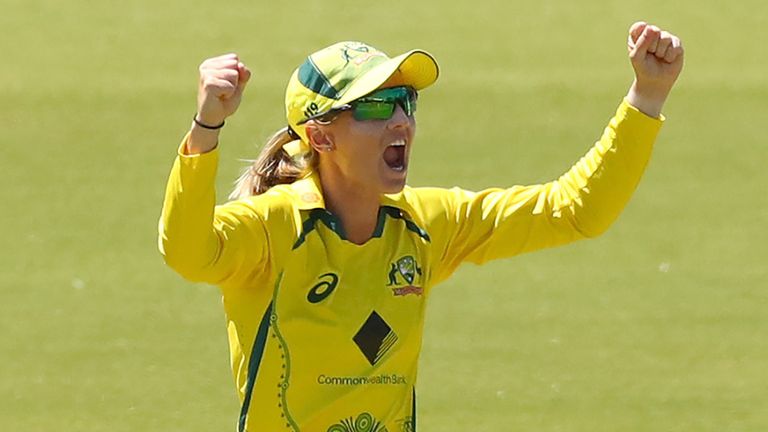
x=325, y=257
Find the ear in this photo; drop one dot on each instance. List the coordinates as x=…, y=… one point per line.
x=319, y=137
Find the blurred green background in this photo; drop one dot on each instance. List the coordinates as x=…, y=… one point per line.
x=659, y=325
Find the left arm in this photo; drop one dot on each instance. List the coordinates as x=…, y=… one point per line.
x=583, y=202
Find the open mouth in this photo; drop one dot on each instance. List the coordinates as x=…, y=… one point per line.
x=394, y=156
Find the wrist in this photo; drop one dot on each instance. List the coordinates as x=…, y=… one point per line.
x=201, y=139
x=207, y=123
x=648, y=99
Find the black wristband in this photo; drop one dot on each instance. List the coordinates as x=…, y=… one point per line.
x=205, y=126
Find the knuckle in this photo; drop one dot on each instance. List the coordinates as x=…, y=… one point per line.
x=209, y=83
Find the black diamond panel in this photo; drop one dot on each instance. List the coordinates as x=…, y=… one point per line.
x=371, y=336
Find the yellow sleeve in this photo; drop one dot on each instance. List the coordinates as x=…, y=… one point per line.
x=583, y=202
x=203, y=242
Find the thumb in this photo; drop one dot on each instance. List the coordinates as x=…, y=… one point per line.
x=244, y=75
x=634, y=33
x=649, y=36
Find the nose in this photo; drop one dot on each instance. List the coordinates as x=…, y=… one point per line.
x=399, y=119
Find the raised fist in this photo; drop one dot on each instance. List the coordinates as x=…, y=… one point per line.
x=222, y=81
x=656, y=56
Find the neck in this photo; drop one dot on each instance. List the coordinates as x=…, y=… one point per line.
x=357, y=208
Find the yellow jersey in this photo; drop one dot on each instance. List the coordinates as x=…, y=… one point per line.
x=325, y=334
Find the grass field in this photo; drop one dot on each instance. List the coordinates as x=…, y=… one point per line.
x=660, y=325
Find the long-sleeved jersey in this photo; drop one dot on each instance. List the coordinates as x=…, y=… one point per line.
x=325, y=334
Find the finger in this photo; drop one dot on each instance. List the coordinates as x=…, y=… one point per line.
x=223, y=61
x=219, y=64
x=219, y=80
x=665, y=41
x=229, y=56
x=221, y=88
x=214, y=82
x=642, y=44
x=223, y=74
x=675, y=51
x=654, y=33
x=634, y=33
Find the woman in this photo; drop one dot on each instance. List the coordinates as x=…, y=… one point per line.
x=325, y=258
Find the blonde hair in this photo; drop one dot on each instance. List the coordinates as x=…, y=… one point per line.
x=272, y=167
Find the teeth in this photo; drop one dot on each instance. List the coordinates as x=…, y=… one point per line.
x=399, y=143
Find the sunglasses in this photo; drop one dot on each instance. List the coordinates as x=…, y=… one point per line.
x=379, y=105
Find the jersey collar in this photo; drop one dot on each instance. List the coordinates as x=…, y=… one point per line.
x=309, y=195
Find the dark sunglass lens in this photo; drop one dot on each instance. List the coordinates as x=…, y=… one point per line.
x=373, y=110
x=380, y=105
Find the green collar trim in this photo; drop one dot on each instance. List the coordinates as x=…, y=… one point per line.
x=334, y=223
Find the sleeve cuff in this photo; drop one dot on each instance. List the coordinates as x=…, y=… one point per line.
x=204, y=164
x=182, y=150
x=629, y=110
x=211, y=156
x=630, y=123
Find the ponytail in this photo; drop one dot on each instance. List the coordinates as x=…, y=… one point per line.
x=272, y=167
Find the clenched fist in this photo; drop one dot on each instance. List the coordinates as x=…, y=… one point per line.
x=657, y=58
x=222, y=81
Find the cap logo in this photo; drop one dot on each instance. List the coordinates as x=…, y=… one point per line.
x=359, y=54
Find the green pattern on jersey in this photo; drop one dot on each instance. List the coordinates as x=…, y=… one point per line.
x=363, y=423
x=286, y=359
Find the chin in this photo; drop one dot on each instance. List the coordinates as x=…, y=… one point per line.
x=393, y=186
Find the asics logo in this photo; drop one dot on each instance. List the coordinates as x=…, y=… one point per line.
x=321, y=290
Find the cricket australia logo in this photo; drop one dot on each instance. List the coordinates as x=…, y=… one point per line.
x=359, y=53
x=405, y=271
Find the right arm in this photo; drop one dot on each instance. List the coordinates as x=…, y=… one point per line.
x=200, y=241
